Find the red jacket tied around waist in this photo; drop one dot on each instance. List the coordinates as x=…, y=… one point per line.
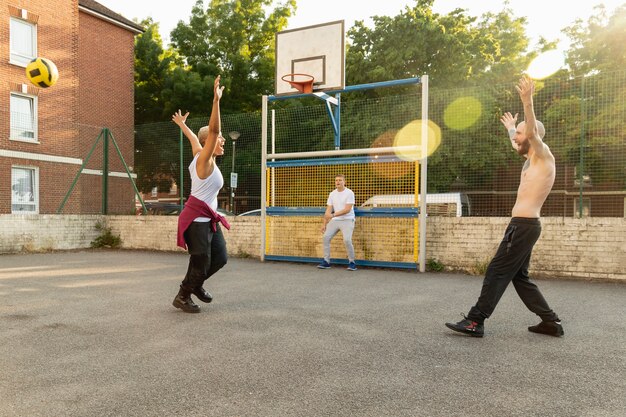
x=195, y=208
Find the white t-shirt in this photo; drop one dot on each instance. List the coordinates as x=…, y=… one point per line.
x=205, y=189
x=339, y=200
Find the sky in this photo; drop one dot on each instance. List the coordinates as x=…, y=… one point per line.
x=545, y=17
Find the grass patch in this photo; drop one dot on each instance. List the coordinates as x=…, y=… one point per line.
x=433, y=265
x=106, y=239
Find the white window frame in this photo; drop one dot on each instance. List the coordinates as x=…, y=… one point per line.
x=15, y=57
x=35, y=203
x=35, y=117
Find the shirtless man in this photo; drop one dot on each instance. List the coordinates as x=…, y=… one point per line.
x=513, y=256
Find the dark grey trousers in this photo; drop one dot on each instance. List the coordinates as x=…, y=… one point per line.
x=207, y=250
x=511, y=264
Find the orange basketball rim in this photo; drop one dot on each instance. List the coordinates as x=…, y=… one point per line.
x=301, y=82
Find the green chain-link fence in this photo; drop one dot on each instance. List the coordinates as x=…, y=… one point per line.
x=585, y=120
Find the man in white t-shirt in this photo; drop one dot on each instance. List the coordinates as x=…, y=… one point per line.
x=339, y=215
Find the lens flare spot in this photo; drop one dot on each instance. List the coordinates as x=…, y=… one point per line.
x=389, y=170
x=462, y=113
x=408, y=140
x=546, y=64
x=385, y=140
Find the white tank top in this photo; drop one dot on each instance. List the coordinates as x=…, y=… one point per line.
x=205, y=189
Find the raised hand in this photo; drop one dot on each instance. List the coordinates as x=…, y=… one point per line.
x=217, y=90
x=526, y=88
x=509, y=120
x=179, y=118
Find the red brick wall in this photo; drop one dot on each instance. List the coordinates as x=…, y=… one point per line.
x=95, y=90
x=57, y=39
x=106, y=99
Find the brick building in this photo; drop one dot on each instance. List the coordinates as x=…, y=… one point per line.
x=46, y=135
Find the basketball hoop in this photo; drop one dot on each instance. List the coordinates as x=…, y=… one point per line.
x=301, y=82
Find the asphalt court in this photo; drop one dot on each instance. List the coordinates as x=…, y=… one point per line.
x=93, y=333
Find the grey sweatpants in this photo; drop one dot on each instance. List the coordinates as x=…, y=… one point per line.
x=346, y=227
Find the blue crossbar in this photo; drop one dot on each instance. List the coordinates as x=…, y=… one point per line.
x=359, y=212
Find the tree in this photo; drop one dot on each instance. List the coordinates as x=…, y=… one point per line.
x=236, y=40
x=509, y=54
x=483, y=55
x=452, y=49
x=156, y=150
x=590, y=111
x=187, y=90
x=598, y=46
x=153, y=66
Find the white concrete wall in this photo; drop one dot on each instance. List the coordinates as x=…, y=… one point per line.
x=592, y=248
x=43, y=232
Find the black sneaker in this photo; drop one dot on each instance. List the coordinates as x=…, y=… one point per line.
x=186, y=304
x=467, y=326
x=202, y=294
x=551, y=328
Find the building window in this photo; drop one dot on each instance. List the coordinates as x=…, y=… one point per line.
x=24, y=190
x=155, y=192
x=586, y=208
x=23, y=41
x=23, y=117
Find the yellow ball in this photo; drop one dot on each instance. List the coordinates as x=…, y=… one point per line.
x=42, y=72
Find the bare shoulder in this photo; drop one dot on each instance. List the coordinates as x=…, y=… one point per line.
x=548, y=152
x=542, y=151
x=544, y=155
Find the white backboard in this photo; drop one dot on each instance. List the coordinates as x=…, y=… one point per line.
x=317, y=50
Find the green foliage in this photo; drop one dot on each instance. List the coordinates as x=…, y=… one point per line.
x=157, y=153
x=153, y=66
x=106, y=239
x=433, y=265
x=479, y=268
x=452, y=49
x=591, y=111
x=464, y=56
x=598, y=45
x=236, y=40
